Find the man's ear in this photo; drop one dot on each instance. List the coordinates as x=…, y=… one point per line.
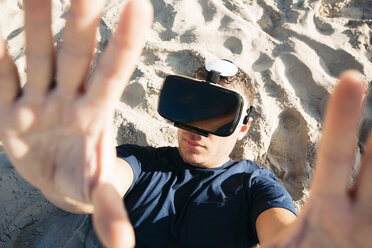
x=244, y=129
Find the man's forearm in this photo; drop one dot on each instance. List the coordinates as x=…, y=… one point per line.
x=273, y=225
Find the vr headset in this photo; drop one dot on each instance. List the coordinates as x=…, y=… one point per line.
x=202, y=106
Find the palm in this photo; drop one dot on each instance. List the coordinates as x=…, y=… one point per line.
x=59, y=148
x=335, y=223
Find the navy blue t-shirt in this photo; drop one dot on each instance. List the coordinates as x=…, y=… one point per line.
x=173, y=204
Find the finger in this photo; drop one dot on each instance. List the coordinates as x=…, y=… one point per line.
x=9, y=79
x=364, y=180
x=110, y=219
x=118, y=61
x=79, y=39
x=39, y=46
x=340, y=135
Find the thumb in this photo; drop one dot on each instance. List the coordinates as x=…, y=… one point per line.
x=110, y=219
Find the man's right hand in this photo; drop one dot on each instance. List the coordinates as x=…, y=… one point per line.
x=56, y=132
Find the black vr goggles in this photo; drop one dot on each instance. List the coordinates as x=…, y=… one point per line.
x=202, y=106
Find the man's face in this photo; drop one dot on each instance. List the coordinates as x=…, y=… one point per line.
x=206, y=152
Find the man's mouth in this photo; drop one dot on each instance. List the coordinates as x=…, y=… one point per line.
x=193, y=144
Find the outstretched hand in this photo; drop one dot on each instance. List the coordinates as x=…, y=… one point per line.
x=337, y=214
x=56, y=132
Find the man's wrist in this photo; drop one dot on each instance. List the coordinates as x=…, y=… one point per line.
x=69, y=204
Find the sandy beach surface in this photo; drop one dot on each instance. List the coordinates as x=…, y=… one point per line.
x=294, y=51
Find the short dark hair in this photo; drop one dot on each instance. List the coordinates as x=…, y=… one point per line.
x=240, y=82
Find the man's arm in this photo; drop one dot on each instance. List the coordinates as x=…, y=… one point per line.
x=56, y=131
x=273, y=222
x=336, y=215
x=123, y=177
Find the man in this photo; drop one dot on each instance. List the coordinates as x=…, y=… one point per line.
x=57, y=134
x=196, y=196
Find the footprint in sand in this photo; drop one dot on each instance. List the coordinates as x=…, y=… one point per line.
x=322, y=26
x=234, y=44
x=134, y=94
x=164, y=14
x=188, y=37
x=270, y=19
x=225, y=22
x=335, y=61
x=208, y=10
x=190, y=60
x=263, y=63
x=287, y=152
x=301, y=79
x=150, y=56
x=128, y=133
x=360, y=9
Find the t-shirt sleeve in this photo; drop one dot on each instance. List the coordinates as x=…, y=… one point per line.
x=266, y=192
x=135, y=156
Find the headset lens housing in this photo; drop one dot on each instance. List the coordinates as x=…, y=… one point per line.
x=199, y=106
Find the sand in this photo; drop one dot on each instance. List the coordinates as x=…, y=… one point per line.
x=293, y=50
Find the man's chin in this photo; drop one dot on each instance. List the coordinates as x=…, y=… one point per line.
x=192, y=159
x=195, y=163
